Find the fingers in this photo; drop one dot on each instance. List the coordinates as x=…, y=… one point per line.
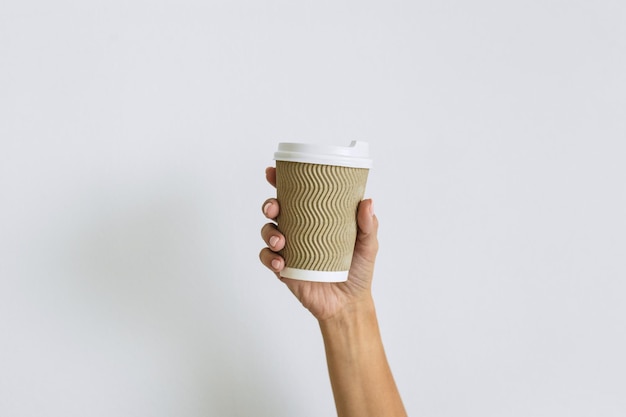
x=272, y=237
x=270, y=175
x=272, y=261
x=275, y=242
x=271, y=208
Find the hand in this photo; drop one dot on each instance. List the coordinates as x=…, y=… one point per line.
x=326, y=300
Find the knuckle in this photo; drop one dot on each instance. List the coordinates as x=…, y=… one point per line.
x=266, y=229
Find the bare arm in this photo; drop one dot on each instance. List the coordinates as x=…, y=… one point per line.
x=359, y=373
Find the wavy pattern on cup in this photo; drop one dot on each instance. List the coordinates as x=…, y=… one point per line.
x=318, y=214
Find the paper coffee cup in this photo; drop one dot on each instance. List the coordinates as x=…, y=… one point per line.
x=319, y=189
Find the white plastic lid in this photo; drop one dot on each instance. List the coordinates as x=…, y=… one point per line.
x=356, y=155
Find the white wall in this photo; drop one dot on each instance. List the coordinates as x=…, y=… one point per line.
x=133, y=141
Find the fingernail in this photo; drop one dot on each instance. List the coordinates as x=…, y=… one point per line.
x=372, y=208
x=266, y=208
x=275, y=264
x=273, y=241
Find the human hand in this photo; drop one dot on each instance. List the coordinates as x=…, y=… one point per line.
x=323, y=299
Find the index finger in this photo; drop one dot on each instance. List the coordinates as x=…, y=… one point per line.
x=270, y=175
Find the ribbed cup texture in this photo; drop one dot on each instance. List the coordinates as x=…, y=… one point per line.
x=318, y=205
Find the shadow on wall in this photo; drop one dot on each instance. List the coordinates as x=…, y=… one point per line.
x=155, y=308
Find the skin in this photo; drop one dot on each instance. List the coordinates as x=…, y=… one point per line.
x=360, y=376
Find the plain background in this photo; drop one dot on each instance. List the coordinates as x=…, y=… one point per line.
x=133, y=141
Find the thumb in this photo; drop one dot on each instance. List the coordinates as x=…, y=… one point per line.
x=367, y=234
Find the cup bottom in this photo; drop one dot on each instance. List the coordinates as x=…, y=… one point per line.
x=316, y=276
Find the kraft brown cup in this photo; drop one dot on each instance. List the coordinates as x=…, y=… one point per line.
x=319, y=196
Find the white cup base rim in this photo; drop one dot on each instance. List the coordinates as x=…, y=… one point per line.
x=316, y=276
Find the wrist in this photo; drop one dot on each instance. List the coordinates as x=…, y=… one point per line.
x=354, y=317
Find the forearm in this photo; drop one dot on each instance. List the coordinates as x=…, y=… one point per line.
x=360, y=376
